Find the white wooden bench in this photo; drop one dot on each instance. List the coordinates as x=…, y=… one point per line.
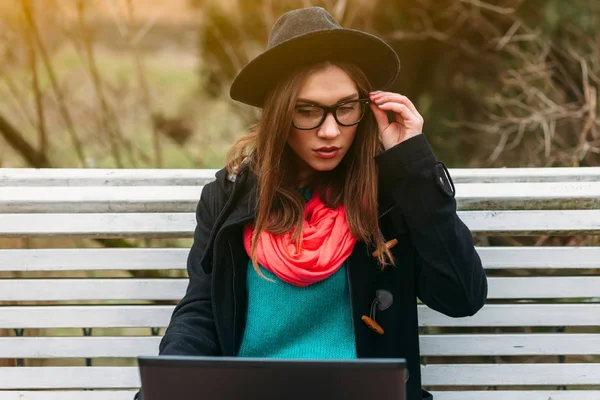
x=558, y=348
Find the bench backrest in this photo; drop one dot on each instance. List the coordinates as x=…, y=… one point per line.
x=538, y=333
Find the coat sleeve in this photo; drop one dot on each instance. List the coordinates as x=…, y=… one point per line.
x=191, y=330
x=449, y=275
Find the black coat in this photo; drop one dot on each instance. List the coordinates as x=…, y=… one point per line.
x=435, y=261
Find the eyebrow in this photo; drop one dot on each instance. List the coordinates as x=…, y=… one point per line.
x=353, y=96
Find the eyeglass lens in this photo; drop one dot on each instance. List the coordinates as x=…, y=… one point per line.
x=310, y=117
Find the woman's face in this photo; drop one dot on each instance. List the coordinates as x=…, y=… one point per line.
x=322, y=148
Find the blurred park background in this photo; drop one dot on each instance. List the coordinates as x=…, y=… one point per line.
x=144, y=83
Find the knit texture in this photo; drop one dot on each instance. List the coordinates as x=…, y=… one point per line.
x=285, y=321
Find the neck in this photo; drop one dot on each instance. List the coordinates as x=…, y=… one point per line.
x=304, y=180
x=304, y=175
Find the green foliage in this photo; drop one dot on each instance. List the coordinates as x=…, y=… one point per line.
x=556, y=14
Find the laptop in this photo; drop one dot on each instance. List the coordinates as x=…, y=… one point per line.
x=230, y=378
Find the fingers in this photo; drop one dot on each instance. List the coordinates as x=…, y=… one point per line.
x=406, y=123
x=386, y=97
x=380, y=116
x=405, y=113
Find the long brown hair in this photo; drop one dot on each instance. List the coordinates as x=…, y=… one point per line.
x=352, y=183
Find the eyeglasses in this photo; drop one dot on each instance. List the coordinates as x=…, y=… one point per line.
x=347, y=113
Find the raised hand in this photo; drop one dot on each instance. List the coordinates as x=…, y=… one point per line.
x=406, y=123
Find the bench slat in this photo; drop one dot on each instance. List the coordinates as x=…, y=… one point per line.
x=158, y=316
x=431, y=345
x=190, y=177
x=495, y=175
x=449, y=395
x=510, y=344
x=539, y=257
x=99, y=199
x=532, y=222
x=510, y=374
x=103, y=199
x=175, y=258
x=93, y=259
x=70, y=378
x=158, y=225
x=528, y=196
x=544, y=287
x=433, y=375
x=183, y=224
x=109, y=177
x=68, y=395
x=174, y=289
x=79, y=347
x=518, y=395
x=91, y=289
x=518, y=315
x=85, y=316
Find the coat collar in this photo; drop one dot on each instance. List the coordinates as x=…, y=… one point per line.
x=241, y=207
x=245, y=199
x=246, y=206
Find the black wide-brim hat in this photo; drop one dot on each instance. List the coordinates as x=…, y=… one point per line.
x=306, y=36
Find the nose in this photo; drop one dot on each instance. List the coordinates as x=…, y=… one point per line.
x=329, y=129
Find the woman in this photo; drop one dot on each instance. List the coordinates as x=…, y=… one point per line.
x=332, y=217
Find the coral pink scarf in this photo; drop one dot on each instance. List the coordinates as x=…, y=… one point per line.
x=326, y=243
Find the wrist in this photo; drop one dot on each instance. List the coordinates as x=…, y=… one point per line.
x=407, y=157
x=391, y=143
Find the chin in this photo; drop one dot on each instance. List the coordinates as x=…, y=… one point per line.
x=324, y=165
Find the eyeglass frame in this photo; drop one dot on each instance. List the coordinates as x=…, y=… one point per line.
x=333, y=110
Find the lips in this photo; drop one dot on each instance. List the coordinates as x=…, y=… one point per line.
x=327, y=152
x=327, y=149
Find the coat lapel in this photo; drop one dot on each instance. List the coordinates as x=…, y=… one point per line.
x=229, y=267
x=230, y=263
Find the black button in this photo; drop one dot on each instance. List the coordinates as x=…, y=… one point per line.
x=443, y=180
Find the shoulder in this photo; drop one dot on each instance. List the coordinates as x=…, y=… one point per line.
x=225, y=180
x=216, y=193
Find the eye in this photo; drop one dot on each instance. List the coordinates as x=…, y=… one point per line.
x=347, y=109
x=308, y=111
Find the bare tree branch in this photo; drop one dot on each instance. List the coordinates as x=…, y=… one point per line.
x=147, y=99
x=490, y=7
x=16, y=140
x=17, y=97
x=37, y=92
x=108, y=123
x=64, y=111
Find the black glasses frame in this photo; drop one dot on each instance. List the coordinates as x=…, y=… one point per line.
x=333, y=111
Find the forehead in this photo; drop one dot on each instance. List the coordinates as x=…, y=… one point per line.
x=327, y=85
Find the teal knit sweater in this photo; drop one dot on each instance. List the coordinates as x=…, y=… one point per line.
x=285, y=321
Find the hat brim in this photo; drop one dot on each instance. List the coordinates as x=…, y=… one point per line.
x=372, y=55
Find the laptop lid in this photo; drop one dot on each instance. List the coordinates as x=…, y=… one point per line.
x=231, y=378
